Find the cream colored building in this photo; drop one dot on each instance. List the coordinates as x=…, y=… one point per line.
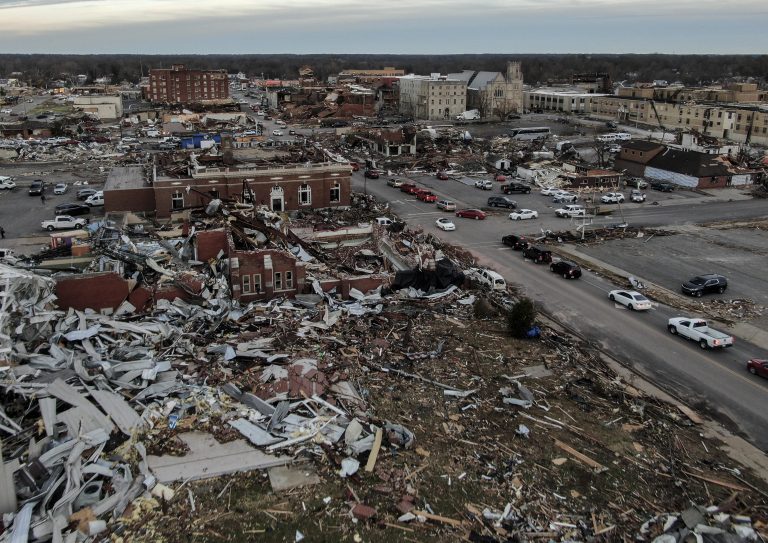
x=105, y=106
x=432, y=97
x=562, y=99
x=732, y=122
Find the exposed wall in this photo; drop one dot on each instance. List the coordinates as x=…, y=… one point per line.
x=96, y=291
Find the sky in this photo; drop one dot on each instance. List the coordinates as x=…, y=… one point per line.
x=383, y=26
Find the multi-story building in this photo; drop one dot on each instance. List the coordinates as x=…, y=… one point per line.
x=432, y=97
x=740, y=93
x=370, y=76
x=739, y=123
x=563, y=99
x=494, y=93
x=178, y=84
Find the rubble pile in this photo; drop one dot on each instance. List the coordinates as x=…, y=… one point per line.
x=382, y=416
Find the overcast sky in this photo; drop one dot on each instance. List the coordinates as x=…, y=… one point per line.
x=384, y=26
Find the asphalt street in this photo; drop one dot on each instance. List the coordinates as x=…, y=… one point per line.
x=711, y=381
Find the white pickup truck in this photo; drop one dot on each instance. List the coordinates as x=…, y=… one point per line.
x=63, y=222
x=697, y=330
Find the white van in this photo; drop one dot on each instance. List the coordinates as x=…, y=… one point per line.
x=95, y=199
x=487, y=278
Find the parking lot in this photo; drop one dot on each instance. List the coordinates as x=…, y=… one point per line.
x=21, y=214
x=462, y=190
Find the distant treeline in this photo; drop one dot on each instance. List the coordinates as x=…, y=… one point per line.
x=690, y=69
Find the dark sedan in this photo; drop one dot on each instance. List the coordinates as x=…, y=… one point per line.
x=471, y=214
x=72, y=209
x=371, y=174
x=518, y=243
x=569, y=270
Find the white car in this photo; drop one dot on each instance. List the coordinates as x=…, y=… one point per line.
x=630, y=299
x=445, y=224
x=484, y=184
x=612, y=198
x=564, y=196
x=60, y=188
x=521, y=214
x=277, y=132
x=550, y=191
x=6, y=110
x=7, y=183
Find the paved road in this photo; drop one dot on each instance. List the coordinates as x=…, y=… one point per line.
x=715, y=382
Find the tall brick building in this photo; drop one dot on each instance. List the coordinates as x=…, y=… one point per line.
x=177, y=84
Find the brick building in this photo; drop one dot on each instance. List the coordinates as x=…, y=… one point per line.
x=178, y=84
x=284, y=187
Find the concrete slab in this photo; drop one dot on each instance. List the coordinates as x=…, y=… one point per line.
x=209, y=458
x=288, y=477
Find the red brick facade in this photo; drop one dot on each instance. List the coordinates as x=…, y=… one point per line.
x=177, y=84
x=288, y=188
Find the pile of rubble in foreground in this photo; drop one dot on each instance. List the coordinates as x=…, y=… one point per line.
x=399, y=416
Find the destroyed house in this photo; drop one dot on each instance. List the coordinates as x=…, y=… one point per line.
x=635, y=155
x=254, y=273
x=391, y=142
x=281, y=187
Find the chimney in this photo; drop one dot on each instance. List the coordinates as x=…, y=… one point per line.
x=226, y=148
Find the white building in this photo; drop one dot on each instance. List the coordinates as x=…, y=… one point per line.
x=105, y=106
x=563, y=99
x=432, y=97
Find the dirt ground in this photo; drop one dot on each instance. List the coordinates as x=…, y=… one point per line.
x=591, y=455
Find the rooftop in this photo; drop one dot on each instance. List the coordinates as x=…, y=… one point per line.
x=126, y=178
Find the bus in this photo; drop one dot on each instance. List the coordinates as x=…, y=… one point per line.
x=614, y=136
x=530, y=133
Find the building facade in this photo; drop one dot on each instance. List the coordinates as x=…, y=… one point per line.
x=733, y=122
x=494, y=94
x=178, y=84
x=432, y=97
x=283, y=188
x=104, y=106
x=562, y=99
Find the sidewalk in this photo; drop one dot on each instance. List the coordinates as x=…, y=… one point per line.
x=26, y=245
x=742, y=330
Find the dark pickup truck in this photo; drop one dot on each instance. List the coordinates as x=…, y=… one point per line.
x=512, y=188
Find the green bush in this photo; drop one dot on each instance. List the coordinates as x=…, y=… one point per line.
x=521, y=317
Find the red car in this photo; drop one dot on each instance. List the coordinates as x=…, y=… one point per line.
x=500, y=178
x=756, y=366
x=355, y=166
x=413, y=189
x=442, y=176
x=471, y=214
x=426, y=196
x=371, y=174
